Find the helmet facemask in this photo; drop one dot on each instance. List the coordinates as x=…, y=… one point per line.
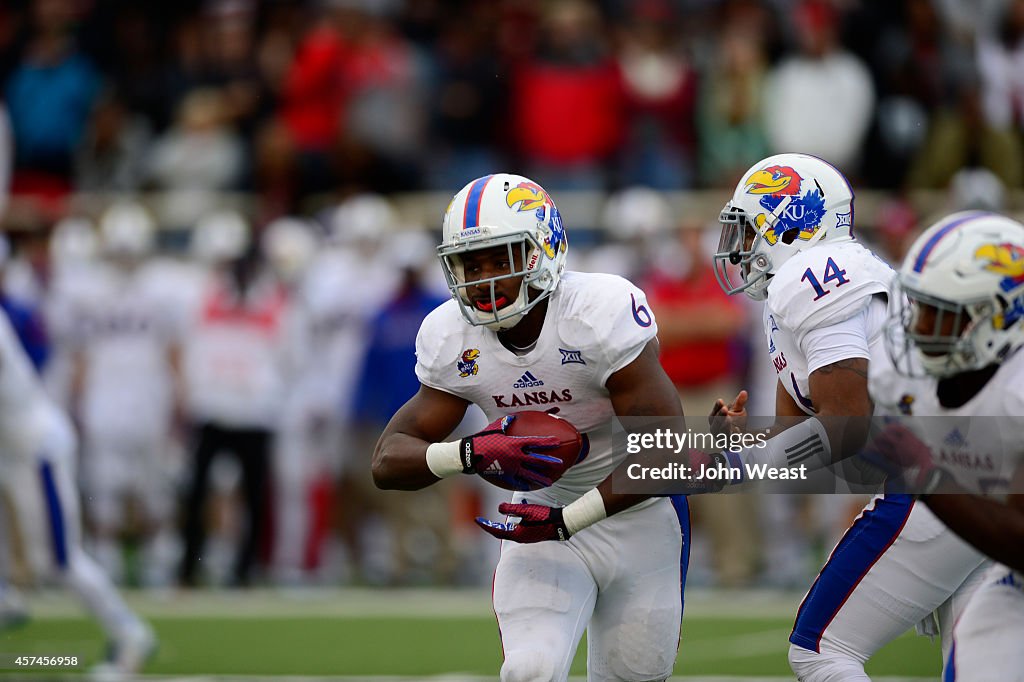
x=739, y=246
x=523, y=253
x=950, y=344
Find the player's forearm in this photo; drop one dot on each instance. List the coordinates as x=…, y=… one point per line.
x=991, y=527
x=616, y=502
x=400, y=463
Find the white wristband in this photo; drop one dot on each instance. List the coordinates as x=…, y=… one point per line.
x=584, y=512
x=444, y=459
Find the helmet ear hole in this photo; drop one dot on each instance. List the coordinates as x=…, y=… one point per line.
x=789, y=236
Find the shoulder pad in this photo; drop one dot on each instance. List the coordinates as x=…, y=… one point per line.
x=439, y=344
x=605, y=316
x=826, y=284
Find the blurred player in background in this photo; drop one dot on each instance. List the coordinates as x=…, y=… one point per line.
x=345, y=282
x=957, y=356
x=234, y=364
x=789, y=228
x=425, y=544
x=125, y=391
x=519, y=326
x=37, y=479
x=290, y=244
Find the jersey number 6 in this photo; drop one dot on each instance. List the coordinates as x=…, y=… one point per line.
x=640, y=313
x=832, y=273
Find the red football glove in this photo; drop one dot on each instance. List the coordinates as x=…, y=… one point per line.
x=909, y=455
x=537, y=523
x=515, y=460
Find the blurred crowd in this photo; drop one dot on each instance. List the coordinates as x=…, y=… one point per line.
x=291, y=99
x=230, y=365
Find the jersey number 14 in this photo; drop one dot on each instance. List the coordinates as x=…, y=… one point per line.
x=832, y=274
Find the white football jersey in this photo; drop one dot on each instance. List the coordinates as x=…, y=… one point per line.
x=980, y=442
x=815, y=289
x=595, y=325
x=26, y=412
x=125, y=329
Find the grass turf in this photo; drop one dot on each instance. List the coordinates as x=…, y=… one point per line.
x=269, y=645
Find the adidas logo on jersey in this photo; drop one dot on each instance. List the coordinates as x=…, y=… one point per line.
x=955, y=438
x=527, y=381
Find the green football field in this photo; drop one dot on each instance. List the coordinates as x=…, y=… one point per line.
x=411, y=634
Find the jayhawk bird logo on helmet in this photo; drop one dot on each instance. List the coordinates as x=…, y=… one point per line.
x=1005, y=259
x=529, y=196
x=801, y=212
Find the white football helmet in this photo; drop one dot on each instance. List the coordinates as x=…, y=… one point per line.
x=363, y=218
x=637, y=213
x=289, y=245
x=127, y=230
x=510, y=211
x=967, y=269
x=73, y=240
x=783, y=205
x=220, y=236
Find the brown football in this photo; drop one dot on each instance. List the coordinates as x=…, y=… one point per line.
x=571, y=450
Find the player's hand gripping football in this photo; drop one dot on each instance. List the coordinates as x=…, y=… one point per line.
x=729, y=419
x=537, y=523
x=516, y=460
x=906, y=456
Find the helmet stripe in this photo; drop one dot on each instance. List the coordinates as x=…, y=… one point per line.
x=471, y=215
x=930, y=245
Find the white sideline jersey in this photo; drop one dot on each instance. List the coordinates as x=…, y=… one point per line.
x=596, y=324
x=816, y=289
x=125, y=328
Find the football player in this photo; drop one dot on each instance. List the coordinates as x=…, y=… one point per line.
x=520, y=333
x=37, y=445
x=958, y=359
x=343, y=284
x=124, y=344
x=789, y=228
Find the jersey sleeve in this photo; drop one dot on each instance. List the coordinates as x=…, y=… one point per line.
x=841, y=341
x=825, y=285
x=613, y=322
